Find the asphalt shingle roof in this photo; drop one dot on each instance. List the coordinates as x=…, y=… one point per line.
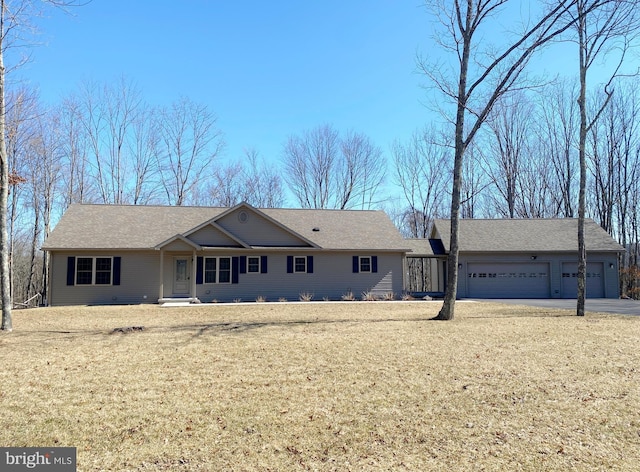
x=142, y=227
x=419, y=247
x=518, y=235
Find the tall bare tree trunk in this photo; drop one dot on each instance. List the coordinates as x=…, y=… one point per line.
x=477, y=95
x=5, y=281
x=600, y=22
x=447, y=310
x=582, y=144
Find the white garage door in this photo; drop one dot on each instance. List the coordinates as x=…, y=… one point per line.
x=595, y=280
x=508, y=280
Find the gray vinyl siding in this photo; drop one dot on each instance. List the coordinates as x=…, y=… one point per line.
x=139, y=276
x=332, y=277
x=257, y=231
x=610, y=288
x=178, y=245
x=210, y=236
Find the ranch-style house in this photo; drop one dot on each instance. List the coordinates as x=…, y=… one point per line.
x=126, y=254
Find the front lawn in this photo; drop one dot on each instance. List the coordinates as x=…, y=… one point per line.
x=328, y=386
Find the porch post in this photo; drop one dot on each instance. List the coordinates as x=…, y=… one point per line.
x=161, y=294
x=405, y=264
x=194, y=274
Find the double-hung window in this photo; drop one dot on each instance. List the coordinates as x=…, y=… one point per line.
x=217, y=270
x=365, y=263
x=300, y=264
x=253, y=265
x=94, y=270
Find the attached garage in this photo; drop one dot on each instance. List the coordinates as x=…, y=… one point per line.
x=595, y=280
x=508, y=280
x=528, y=258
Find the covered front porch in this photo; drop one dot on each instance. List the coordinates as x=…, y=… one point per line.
x=177, y=277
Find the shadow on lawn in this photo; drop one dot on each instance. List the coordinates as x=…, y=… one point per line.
x=238, y=327
x=215, y=329
x=243, y=327
x=197, y=329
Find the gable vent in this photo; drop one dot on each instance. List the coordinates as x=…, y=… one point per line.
x=243, y=217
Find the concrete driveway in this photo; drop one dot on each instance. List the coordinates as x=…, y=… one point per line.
x=602, y=305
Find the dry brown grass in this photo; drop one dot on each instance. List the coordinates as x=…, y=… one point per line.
x=333, y=386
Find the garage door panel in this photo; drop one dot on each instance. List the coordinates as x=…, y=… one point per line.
x=595, y=280
x=508, y=280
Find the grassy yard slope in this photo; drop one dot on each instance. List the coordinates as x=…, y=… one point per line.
x=333, y=386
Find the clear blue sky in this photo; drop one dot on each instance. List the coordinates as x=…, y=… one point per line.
x=267, y=69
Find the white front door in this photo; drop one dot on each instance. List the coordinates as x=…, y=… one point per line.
x=181, y=275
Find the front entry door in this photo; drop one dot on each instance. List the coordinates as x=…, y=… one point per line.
x=181, y=276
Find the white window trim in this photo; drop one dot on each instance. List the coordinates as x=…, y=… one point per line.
x=259, y=271
x=360, y=258
x=93, y=271
x=217, y=281
x=295, y=271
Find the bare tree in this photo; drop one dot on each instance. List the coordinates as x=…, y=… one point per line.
x=111, y=143
x=536, y=186
x=361, y=172
x=21, y=111
x=477, y=82
x=252, y=181
x=614, y=167
x=420, y=167
x=602, y=161
x=107, y=114
x=189, y=142
x=603, y=27
x=123, y=103
x=626, y=110
x=227, y=186
x=14, y=18
x=509, y=125
x=263, y=182
x=473, y=198
x=145, y=140
x=309, y=161
x=556, y=133
x=324, y=170
x=44, y=164
x=75, y=176
x=9, y=21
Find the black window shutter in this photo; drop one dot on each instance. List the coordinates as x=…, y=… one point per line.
x=263, y=264
x=71, y=270
x=356, y=264
x=243, y=264
x=374, y=263
x=289, y=264
x=117, y=261
x=309, y=264
x=199, y=270
x=235, y=266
